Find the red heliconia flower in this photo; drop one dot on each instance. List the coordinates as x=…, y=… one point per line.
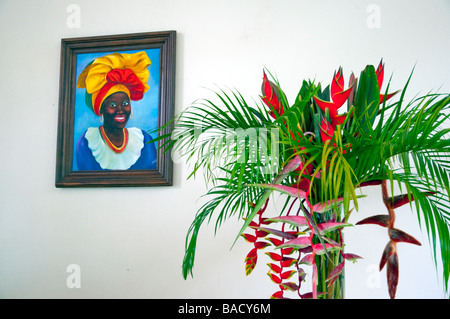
x=338, y=95
x=274, y=278
x=275, y=241
x=249, y=238
x=288, y=261
x=274, y=267
x=277, y=295
x=252, y=254
x=250, y=261
x=326, y=130
x=274, y=256
x=380, y=78
x=261, y=245
x=339, y=120
x=380, y=74
x=390, y=258
x=303, y=183
x=271, y=97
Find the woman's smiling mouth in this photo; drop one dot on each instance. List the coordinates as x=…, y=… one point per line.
x=120, y=118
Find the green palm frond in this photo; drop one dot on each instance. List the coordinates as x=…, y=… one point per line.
x=208, y=133
x=224, y=200
x=234, y=145
x=433, y=212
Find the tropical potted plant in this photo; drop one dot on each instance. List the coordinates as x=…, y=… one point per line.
x=318, y=153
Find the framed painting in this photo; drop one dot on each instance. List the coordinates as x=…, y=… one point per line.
x=115, y=92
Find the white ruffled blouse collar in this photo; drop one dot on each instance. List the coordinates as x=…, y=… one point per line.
x=107, y=158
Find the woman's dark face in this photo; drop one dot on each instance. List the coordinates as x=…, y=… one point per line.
x=116, y=110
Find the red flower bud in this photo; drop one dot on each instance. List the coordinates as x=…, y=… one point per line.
x=271, y=97
x=380, y=76
x=326, y=130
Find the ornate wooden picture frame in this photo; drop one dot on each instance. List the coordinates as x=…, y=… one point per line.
x=114, y=91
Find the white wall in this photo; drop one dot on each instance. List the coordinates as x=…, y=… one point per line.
x=129, y=242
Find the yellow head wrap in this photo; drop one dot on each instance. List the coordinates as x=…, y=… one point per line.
x=117, y=72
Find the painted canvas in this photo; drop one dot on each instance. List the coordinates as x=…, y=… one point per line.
x=116, y=106
x=115, y=91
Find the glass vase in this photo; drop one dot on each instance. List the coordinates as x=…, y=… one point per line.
x=326, y=263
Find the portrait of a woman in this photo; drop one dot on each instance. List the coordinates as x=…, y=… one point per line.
x=112, y=82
